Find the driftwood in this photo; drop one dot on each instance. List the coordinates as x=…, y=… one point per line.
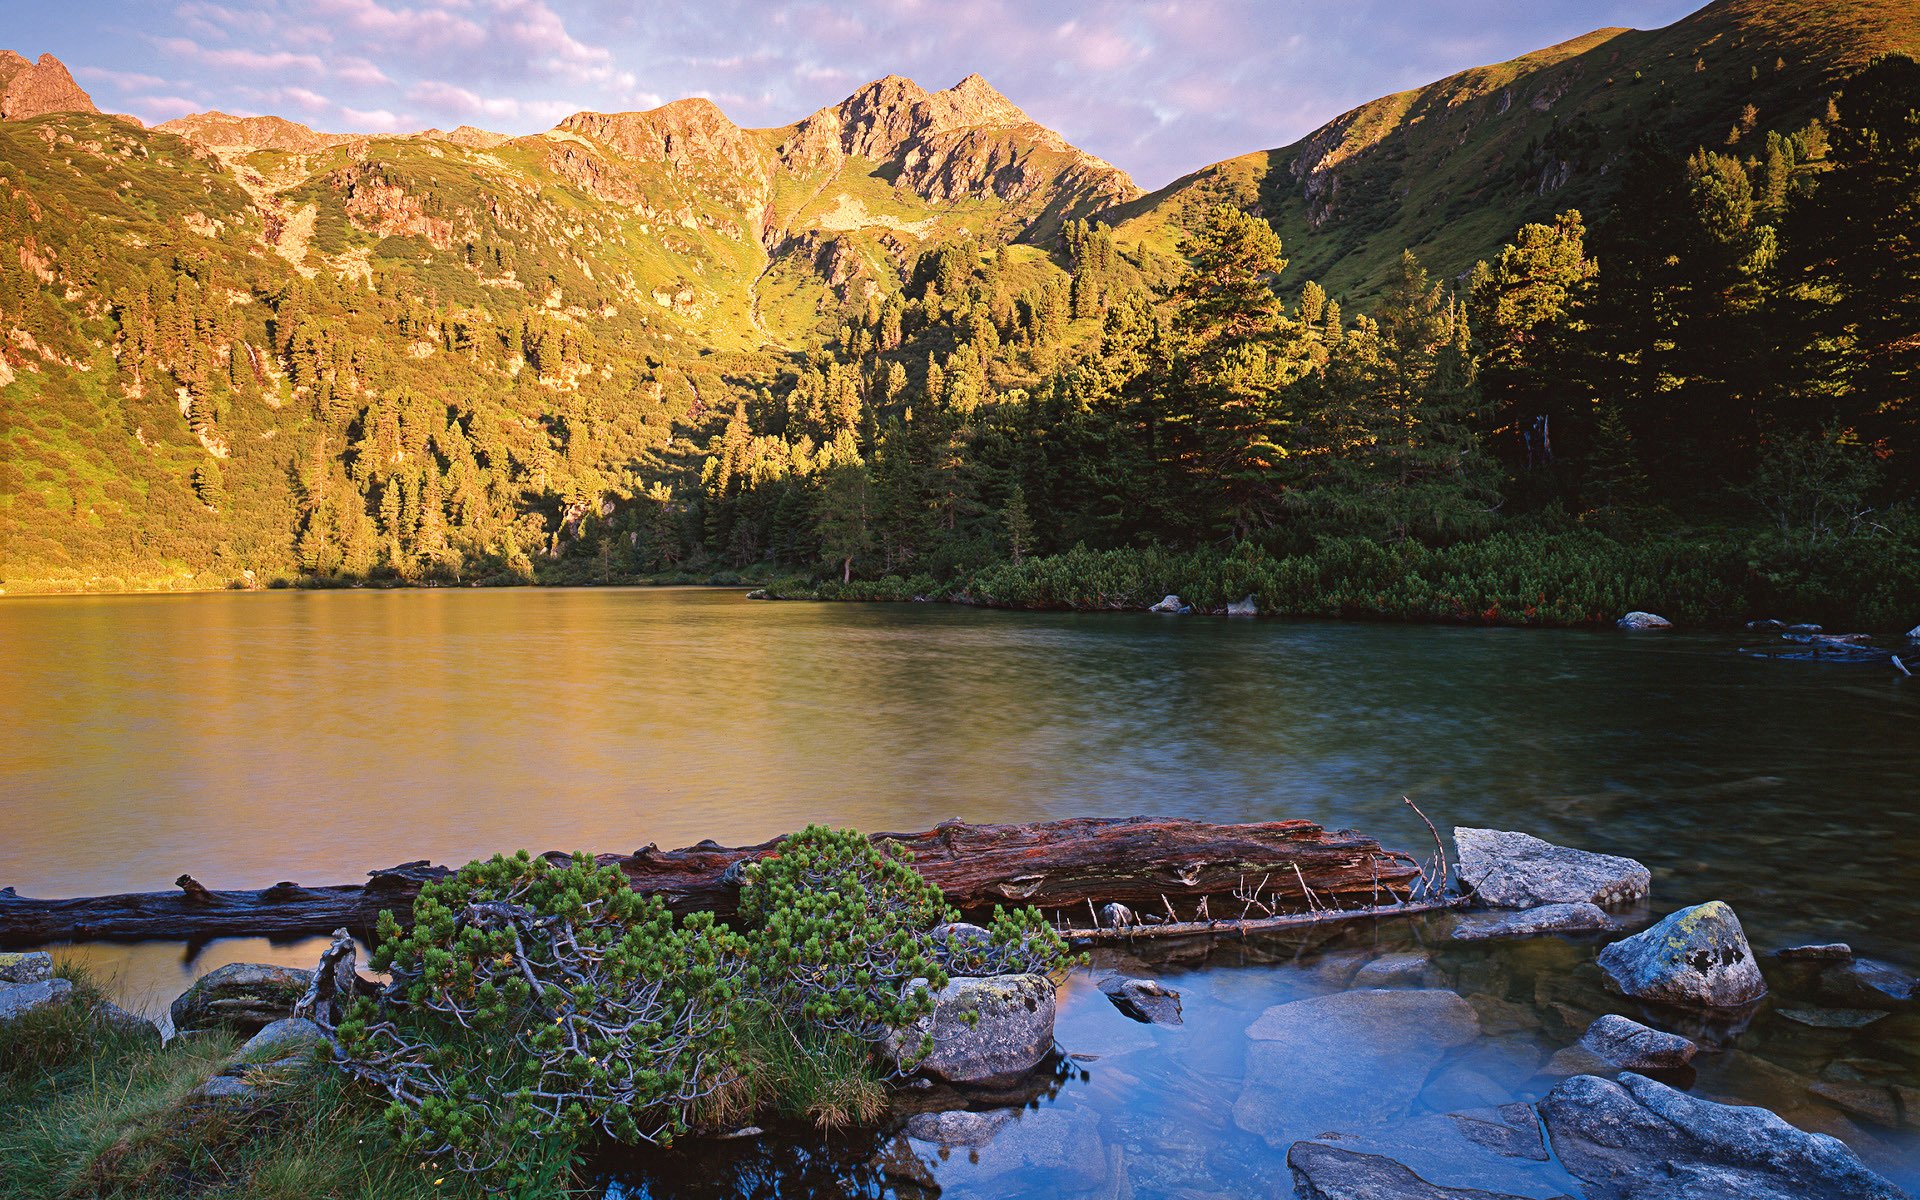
x=1147, y=863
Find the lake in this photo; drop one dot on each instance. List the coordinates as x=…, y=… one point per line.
x=247, y=738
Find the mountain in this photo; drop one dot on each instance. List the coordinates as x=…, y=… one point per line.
x=219, y=131
x=33, y=89
x=1453, y=168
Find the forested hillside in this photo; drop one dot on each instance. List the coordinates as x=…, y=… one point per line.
x=918, y=344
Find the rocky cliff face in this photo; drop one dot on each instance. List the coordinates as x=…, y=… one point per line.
x=220, y=131
x=32, y=89
x=684, y=133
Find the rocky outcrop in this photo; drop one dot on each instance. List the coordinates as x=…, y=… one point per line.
x=222, y=131
x=1517, y=870
x=1146, y=1000
x=34, y=89
x=244, y=997
x=1637, y=1139
x=1697, y=957
x=982, y=1029
x=685, y=133
x=1532, y=922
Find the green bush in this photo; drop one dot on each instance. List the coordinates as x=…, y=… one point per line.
x=532, y=1004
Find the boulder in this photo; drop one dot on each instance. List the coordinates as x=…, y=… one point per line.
x=957, y=1127
x=33, y=967
x=1638, y=1139
x=982, y=1029
x=115, y=1017
x=1631, y=1046
x=1824, y=952
x=1644, y=620
x=1404, y=968
x=291, y=1037
x=1867, y=983
x=1517, y=870
x=1244, y=608
x=19, y=999
x=1697, y=957
x=1145, y=1000
x=1531, y=922
x=244, y=997
x=1171, y=604
x=1357, y=1056
x=1477, y=1152
x=1325, y=1172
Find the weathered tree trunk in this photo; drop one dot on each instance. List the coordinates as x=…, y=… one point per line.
x=1146, y=863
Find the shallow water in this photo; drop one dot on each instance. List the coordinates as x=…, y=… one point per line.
x=248, y=738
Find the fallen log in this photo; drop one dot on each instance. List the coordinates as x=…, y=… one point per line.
x=1270, y=865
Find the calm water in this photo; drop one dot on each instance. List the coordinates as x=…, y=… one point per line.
x=248, y=738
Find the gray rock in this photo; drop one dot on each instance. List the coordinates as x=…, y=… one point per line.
x=244, y=997
x=1497, y=1150
x=287, y=1038
x=1631, y=1046
x=1913, y=635
x=111, y=1014
x=1637, y=1139
x=1767, y=626
x=1405, y=968
x=958, y=1127
x=223, y=1088
x=19, y=999
x=1517, y=870
x=982, y=1029
x=1358, y=1056
x=1325, y=1172
x=1172, y=604
x=1824, y=952
x=1805, y=628
x=1644, y=620
x=1832, y=1018
x=1867, y=983
x=1145, y=1000
x=1531, y=922
x=1244, y=608
x=1697, y=957
x=33, y=967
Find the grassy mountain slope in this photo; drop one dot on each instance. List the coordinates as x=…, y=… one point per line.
x=1451, y=169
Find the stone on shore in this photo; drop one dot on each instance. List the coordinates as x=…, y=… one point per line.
x=1244, y=608
x=983, y=1029
x=1532, y=922
x=115, y=1017
x=1171, y=604
x=33, y=967
x=1518, y=870
x=1638, y=1139
x=1644, y=620
x=1631, y=1046
x=1698, y=957
x=1357, y=1056
x=1146, y=1000
x=243, y=997
x=290, y=1037
x=19, y=999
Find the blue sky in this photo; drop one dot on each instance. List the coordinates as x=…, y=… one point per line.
x=1157, y=87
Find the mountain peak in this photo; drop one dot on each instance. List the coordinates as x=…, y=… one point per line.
x=37, y=88
x=974, y=101
x=224, y=131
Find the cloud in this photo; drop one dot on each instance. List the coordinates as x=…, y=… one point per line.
x=121, y=79
x=242, y=59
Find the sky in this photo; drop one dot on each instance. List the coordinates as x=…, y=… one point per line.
x=1157, y=87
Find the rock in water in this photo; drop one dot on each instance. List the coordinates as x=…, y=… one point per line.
x=1868, y=983
x=1332, y=1061
x=1548, y=918
x=26, y=968
x=19, y=999
x=1913, y=635
x=1698, y=956
x=1631, y=1046
x=1170, y=604
x=982, y=1029
x=244, y=997
x=1145, y=1000
x=1323, y=1172
x=1517, y=870
x=1637, y=1139
x=1644, y=620
x=1824, y=952
x=1244, y=608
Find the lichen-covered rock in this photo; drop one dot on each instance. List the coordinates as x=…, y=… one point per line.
x=1518, y=870
x=1697, y=957
x=19, y=999
x=982, y=1029
x=1637, y=1139
x=1145, y=1000
x=1631, y=1046
x=1532, y=922
x=31, y=967
x=1644, y=620
x=244, y=997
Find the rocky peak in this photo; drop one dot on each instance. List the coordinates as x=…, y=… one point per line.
x=684, y=133
x=890, y=114
x=973, y=101
x=223, y=131
x=37, y=88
